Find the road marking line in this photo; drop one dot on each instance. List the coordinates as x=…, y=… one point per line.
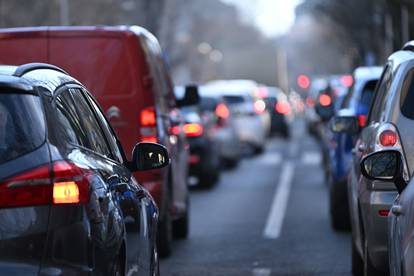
x=311, y=158
x=270, y=159
x=278, y=209
x=261, y=271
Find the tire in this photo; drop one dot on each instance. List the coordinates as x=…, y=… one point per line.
x=208, y=180
x=369, y=269
x=164, y=233
x=231, y=163
x=118, y=268
x=357, y=262
x=258, y=150
x=181, y=226
x=338, y=205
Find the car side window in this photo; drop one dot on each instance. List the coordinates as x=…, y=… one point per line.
x=380, y=97
x=96, y=138
x=109, y=133
x=407, y=96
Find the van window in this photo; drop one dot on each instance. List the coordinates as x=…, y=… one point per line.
x=407, y=96
x=22, y=125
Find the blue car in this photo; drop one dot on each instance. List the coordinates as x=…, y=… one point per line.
x=356, y=102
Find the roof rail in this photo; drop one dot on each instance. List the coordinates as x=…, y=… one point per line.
x=409, y=46
x=26, y=68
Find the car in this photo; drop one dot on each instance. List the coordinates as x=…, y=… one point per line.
x=125, y=69
x=204, y=158
x=356, y=103
x=389, y=125
x=69, y=203
x=251, y=119
x=213, y=106
x=279, y=108
x=389, y=166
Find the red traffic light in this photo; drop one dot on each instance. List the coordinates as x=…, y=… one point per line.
x=303, y=81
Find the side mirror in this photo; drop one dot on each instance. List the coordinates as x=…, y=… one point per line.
x=344, y=124
x=384, y=165
x=149, y=156
x=191, y=96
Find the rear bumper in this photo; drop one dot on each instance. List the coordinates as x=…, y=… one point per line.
x=202, y=159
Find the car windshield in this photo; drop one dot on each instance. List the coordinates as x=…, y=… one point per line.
x=22, y=126
x=233, y=100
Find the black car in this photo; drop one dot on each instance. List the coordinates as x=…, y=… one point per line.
x=279, y=109
x=68, y=202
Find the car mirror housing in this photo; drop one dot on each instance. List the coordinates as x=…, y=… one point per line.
x=191, y=96
x=344, y=124
x=149, y=156
x=384, y=165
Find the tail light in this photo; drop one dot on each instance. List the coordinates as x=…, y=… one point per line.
x=65, y=184
x=362, y=120
x=325, y=100
x=259, y=106
x=283, y=108
x=193, y=130
x=222, y=111
x=388, y=138
x=148, y=122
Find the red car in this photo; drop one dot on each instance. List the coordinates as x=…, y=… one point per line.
x=126, y=70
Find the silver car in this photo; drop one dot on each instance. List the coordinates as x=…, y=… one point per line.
x=390, y=125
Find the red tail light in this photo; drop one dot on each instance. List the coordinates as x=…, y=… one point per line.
x=325, y=100
x=148, y=122
x=67, y=184
x=222, y=111
x=388, y=138
x=283, y=108
x=362, y=120
x=193, y=130
x=259, y=106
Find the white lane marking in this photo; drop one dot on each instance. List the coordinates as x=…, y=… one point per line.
x=311, y=158
x=261, y=271
x=270, y=159
x=277, y=211
x=293, y=149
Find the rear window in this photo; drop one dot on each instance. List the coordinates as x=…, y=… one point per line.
x=22, y=125
x=407, y=96
x=232, y=100
x=368, y=92
x=208, y=104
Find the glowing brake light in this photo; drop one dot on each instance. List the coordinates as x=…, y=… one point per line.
x=362, y=120
x=388, y=138
x=193, y=130
x=222, y=111
x=325, y=100
x=259, y=106
x=283, y=108
x=148, y=125
x=66, y=184
x=347, y=80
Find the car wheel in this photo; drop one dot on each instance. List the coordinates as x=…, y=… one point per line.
x=369, y=269
x=357, y=262
x=181, y=225
x=231, y=163
x=338, y=205
x=164, y=234
x=118, y=268
x=209, y=179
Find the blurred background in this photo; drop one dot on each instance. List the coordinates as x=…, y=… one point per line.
x=219, y=39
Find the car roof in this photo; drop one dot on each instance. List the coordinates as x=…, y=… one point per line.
x=367, y=73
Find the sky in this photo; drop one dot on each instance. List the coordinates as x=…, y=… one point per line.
x=273, y=17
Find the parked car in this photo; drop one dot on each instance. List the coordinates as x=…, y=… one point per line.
x=249, y=113
x=280, y=110
x=389, y=125
x=355, y=103
x=125, y=69
x=68, y=200
x=212, y=105
x=204, y=147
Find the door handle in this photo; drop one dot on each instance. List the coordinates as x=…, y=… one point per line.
x=397, y=210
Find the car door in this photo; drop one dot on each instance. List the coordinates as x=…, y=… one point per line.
x=139, y=211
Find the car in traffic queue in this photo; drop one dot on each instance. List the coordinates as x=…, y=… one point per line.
x=68, y=201
x=213, y=106
x=279, y=108
x=389, y=125
x=355, y=103
x=124, y=67
x=251, y=119
x=204, y=158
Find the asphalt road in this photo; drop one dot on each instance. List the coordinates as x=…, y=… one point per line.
x=269, y=216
